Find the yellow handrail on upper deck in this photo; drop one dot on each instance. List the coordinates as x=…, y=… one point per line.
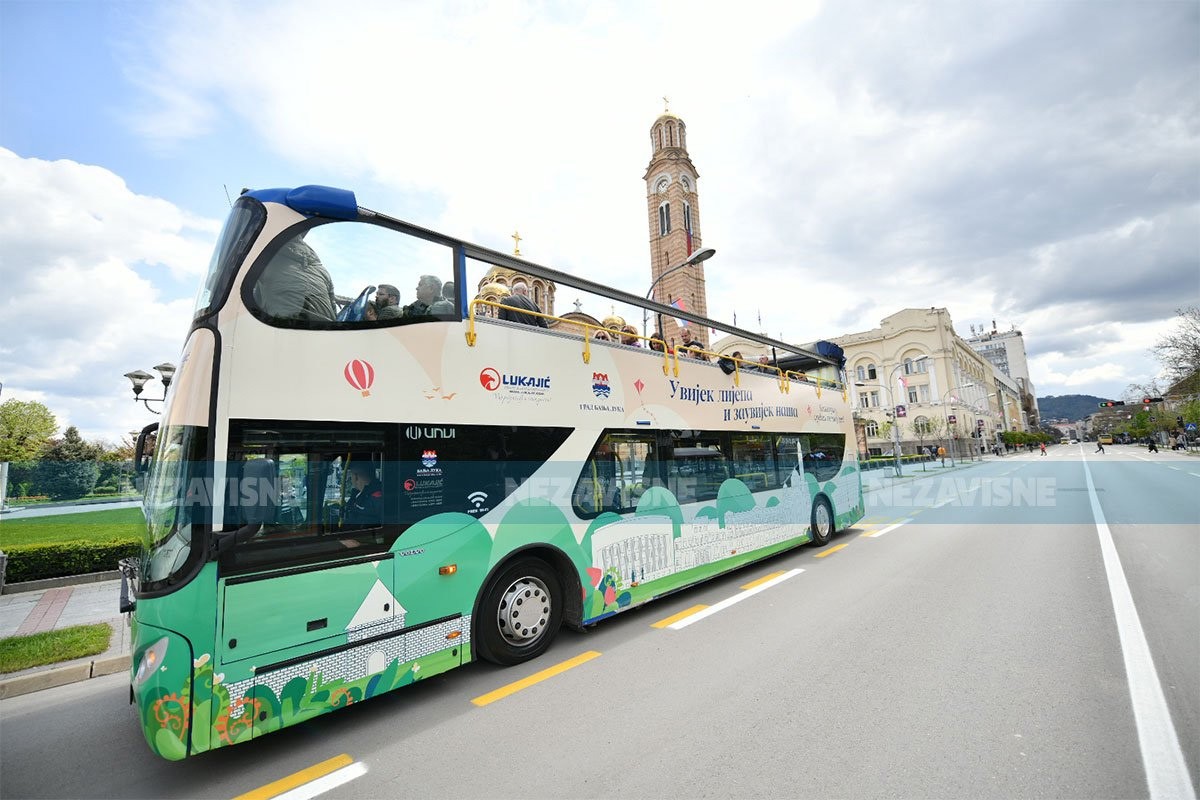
x=670, y=357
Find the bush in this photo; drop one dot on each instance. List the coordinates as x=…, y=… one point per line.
x=31, y=562
x=66, y=480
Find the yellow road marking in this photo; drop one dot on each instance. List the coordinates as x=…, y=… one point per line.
x=662, y=623
x=297, y=778
x=831, y=550
x=772, y=576
x=537, y=677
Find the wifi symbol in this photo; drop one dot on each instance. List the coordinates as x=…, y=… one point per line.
x=477, y=498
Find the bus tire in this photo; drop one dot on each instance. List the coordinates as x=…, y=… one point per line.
x=520, y=613
x=823, y=525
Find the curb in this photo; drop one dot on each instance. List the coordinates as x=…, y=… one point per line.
x=66, y=580
x=61, y=676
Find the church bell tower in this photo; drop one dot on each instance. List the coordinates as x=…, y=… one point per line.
x=673, y=213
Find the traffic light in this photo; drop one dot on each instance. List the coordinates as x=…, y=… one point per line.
x=1148, y=400
x=1111, y=403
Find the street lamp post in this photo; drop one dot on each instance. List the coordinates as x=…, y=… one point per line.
x=692, y=260
x=895, y=416
x=140, y=378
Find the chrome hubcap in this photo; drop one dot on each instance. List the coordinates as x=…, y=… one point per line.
x=823, y=520
x=524, y=611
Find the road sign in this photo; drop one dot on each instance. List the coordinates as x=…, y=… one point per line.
x=979, y=424
x=901, y=411
x=953, y=418
x=1191, y=427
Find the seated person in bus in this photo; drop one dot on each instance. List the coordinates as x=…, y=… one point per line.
x=295, y=286
x=629, y=336
x=429, y=289
x=364, y=506
x=732, y=363
x=602, y=335
x=656, y=343
x=387, y=302
x=445, y=304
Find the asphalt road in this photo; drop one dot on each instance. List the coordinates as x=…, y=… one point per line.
x=963, y=641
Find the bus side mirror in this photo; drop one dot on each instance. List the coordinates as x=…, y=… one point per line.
x=143, y=449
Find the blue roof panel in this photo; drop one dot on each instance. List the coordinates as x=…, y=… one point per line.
x=320, y=201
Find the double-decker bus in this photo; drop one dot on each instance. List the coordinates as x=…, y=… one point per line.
x=345, y=497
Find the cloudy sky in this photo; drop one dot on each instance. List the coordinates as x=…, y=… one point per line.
x=1036, y=164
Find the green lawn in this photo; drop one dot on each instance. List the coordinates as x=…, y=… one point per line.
x=23, y=652
x=88, y=526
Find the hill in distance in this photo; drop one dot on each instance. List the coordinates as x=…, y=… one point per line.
x=1069, y=406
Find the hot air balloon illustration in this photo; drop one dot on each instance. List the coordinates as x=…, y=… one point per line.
x=360, y=375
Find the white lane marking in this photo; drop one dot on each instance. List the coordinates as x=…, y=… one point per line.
x=1166, y=772
x=325, y=782
x=1174, y=468
x=889, y=528
x=1197, y=474
x=728, y=601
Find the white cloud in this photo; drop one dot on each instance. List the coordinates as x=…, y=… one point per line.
x=84, y=260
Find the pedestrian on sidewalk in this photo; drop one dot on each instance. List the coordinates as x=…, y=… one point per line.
x=942, y=454
x=1043, y=448
x=1099, y=446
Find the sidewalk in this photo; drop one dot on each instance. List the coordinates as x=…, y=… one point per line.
x=50, y=609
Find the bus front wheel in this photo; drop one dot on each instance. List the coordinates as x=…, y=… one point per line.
x=520, y=614
x=822, y=522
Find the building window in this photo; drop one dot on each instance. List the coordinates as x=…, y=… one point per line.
x=871, y=372
x=687, y=217
x=912, y=394
x=908, y=366
x=862, y=372
x=862, y=401
x=664, y=219
x=872, y=429
x=874, y=399
x=922, y=426
x=923, y=391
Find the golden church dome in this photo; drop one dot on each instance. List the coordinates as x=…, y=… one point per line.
x=497, y=289
x=614, y=321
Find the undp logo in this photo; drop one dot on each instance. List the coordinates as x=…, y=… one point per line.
x=489, y=379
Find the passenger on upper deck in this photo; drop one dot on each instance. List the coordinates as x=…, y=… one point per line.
x=689, y=347
x=387, y=302
x=656, y=343
x=445, y=304
x=519, y=299
x=296, y=286
x=629, y=336
x=429, y=289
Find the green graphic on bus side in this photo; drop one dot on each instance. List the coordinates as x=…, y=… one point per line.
x=192, y=703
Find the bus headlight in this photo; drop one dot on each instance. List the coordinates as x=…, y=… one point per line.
x=152, y=659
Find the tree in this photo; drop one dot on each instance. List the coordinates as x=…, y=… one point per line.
x=1178, y=351
x=69, y=467
x=25, y=427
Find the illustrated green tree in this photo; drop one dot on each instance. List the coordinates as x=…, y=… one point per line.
x=25, y=428
x=68, y=468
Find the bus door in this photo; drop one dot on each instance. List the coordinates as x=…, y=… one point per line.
x=313, y=573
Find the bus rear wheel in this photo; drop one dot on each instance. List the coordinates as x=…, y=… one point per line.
x=520, y=614
x=822, y=522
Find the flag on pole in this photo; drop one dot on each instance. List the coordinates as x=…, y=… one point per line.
x=678, y=304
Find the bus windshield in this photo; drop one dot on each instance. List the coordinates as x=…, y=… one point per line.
x=171, y=504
